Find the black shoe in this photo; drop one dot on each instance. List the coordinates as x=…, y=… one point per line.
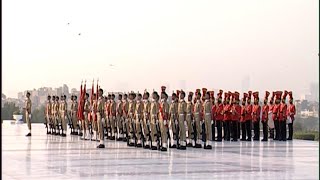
x=242, y=139
x=154, y=148
x=174, y=146
x=112, y=138
x=219, y=140
x=256, y=139
x=208, y=147
x=48, y=132
x=124, y=139
x=182, y=147
x=275, y=139
x=101, y=146
x=234, y=140
x=139, y=145
x=93, y=140
x=63, y=135
x=198, y=146
x=264, y=139
x=163, y=149
x=29, y=134
x=248, y=140
x=289, y=139
x=80, y=134
x=119, y=139
x=189, y=145
x=131, y=144
x=146, y=147
x=75, y=133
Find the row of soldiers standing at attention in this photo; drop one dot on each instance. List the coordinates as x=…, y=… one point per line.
x=156, y=124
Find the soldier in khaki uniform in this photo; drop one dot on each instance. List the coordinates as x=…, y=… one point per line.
x=119, y=118
x=27, y=109
x=198, y=118
x=138, y=119
x=154, y=114
x=163, y=118
x=130, y=118
x=85, y=123
x=146, y=119
x=53, y=115
x=48, y=114
x=100, y=115
x=207, y=109
x=182, y=111
x=107, y=124
x=63, y=112
x=112, y=116
x=173, y=112
x=74, y=110
x=94, y=118
x=189, y=119
x=57, y=115
x=125, y=108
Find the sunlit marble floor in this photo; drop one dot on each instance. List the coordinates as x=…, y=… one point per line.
x=53, y=157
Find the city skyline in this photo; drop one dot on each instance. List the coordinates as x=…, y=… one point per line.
x=149, y=44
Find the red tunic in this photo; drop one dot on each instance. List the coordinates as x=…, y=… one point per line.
x=213, y=112
x=291, y=111
x=275, y=112
x=236, y=112
x=265, y=111
x=219, y=113
x=283, y=112
x=243, y=114
x=248, y=115
x=227, y=113
x=256, y=111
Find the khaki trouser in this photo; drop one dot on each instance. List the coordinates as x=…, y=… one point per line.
x=182, y=132
x=138, y=126
x=54, y=121
x=94, y=125
x=153, y=128
x=124, y=124
x=63, y=121
x=190, y=128
x=173, y=127
x=28, y=120
x=207, y=119
x=100, y=126
x=48, y=120
x=146, y=130
x=74, y=120
x=112, y=124
x=85, y=122
x=57, y=121
x=164, y=131
x=119, y=123
x=129, y=125
x=199, y=128
x=107, y=122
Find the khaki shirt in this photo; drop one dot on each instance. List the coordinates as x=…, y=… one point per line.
x=189, y=108
x=139, y=109
x=132, y=107
x=28, y=105
x=198, y=107
x=207, y=107
x=100, y=105
x=87, y=106
x=113, y=108
x=154, y=109
x=125, y=107
x=165, y=109
x=63, y=107
x=56, y=107
x=173, y=111
x=146, y=108
x=48, y=108
x=119, y=108
x=182, y=107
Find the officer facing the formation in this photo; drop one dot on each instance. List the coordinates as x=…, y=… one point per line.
x=256, y=109
x=291, y=113
x=48, y=114
x=27, y=109
x=264, y=117
x=100, y=115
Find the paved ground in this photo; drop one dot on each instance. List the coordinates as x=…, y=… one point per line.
x=53, y=157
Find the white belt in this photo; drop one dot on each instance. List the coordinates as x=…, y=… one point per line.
x=208, y=113
x=189, y=114
x=196, y=113
x=181, y=114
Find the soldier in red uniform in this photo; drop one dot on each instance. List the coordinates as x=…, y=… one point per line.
x=236, y=110
x=291, y=113
x=243, y=117
x=248, y=117
x=213, y=114
x=264, y=118
x=275, y=114
x=227, y=116
x=283, y=118
x=219, y=116
x=256, y=110
x=271, y=122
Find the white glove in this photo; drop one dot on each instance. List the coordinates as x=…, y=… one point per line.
x=157, y=121
x=29, y=116
x=185, y=123
x=164, y=122
x=211, y=121
x=176, y=122
x=103, y=121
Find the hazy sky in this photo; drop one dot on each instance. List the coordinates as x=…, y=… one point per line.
x=213, y=44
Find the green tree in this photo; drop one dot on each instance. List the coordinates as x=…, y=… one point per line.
x=38, y=115
x=8, y=109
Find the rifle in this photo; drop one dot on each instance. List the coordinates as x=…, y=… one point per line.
x=177, y=130
x=159, y=140
x=142, y=133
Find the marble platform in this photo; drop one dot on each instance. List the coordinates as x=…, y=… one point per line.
x=53, y=157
